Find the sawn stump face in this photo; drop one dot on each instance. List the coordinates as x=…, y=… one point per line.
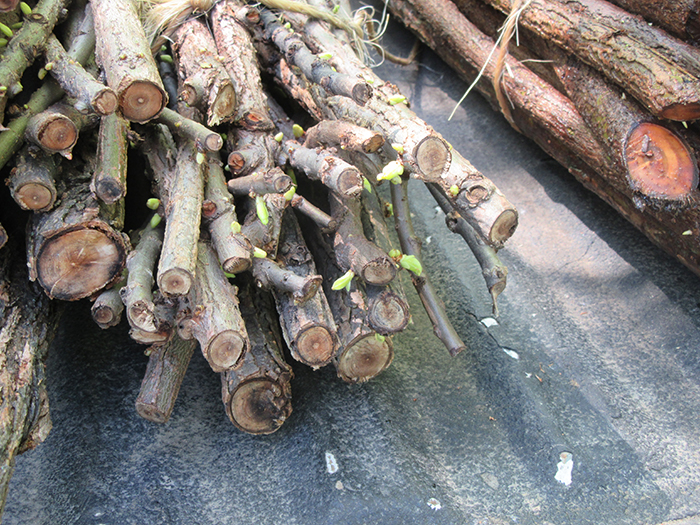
x=78, y=263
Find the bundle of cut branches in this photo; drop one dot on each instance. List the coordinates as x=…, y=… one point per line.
x=249, y=237
x=606, y=93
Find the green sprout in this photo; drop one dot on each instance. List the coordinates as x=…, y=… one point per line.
x=152, y=203
x=325, y=56
x=229, y=275
x=343, y=281
x=261, y=210
x=297, y=130
x=166, y=58
x=454, y=190
x=258, y=253
x=395, y=254
x=279, y=137
x=235, y=227
x=397, y=99
x=289, y=194
x=5, y=30
x=391, y=171
x=367, y=184
x=200, y=157
x=379, y=337
x=155, y=220
x=26, y=10
x=411, y=263
x=398, y=148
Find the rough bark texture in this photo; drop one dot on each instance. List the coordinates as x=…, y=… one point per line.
x=658, y=70
x=28, y=43
x=123, y=52
x=308, y=327
x=253, y=151
x=190, y=129
x=266, y=236
x=344, y=135
x=362, y=353
x=234, y=45
x=314, y=68
x=167, y=364
x=219, y=214
x=320, y=217
x=28, y=322
x=183, y=212
x=109, y=179
x=352, y=249
x=272, y=181
x=679, y=17
x=215, y=320
x=137, y=295
x=32, y=181
x=78, y=83
x=77, y=249
x=320, y=164
x=257, y=395
x=388, y=310
x=205, y=82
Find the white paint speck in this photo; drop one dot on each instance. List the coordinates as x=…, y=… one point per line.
x=331, y=463
x=564, y=468
x=488, y=322
x=434, y=504
x=428, y=239
x=511, y=353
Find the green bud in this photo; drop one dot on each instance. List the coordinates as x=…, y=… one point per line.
x=153, y=203
x=166, y=58
x=235, y=227
x=391, y=171
x=297, y=130
x=388, y=209
x=48, y=66
x=258, y=253
x=343, y=281
x=412, y=264
x=292, y=175
x=200, y=157
x=379, y=337
x=3, y=89
x=17, y=25
x=229, y=275
x=6, y=30
x=279, y=137
x=398, y=148
x=261, y=210
x=454, y=190
x=336, y=9
x=42, y=74
x=367, y=184
x=685, y=124
x=325, y=56
x=396, y=180
x=3, y=42
x=163, y=48
x=224, y=136
x=397, y=99
x=287, y=25
x=687, y=232
x=155, y=220
x=26, y=10
x=394, y=254
x=289, y=194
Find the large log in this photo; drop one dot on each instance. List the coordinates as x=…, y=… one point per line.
x=660, y=71
x=77, y=249
x=28, y=322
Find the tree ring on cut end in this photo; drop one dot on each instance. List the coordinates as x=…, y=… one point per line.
x=225, y=350
x=59, y=134
x=35, y=197
x=433, y=157
x=388, y=314
x=365, y=358
x=142, y=100
x=659, y=163
x=504, y=227
x=379, y=272
x=175, y=282
x=255, y=408
x=75, y=264
x=315, y=346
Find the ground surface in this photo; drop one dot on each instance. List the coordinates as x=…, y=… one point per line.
x=605, y=328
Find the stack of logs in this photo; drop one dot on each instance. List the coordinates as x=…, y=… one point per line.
x=226, y=254
x=609, y=90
